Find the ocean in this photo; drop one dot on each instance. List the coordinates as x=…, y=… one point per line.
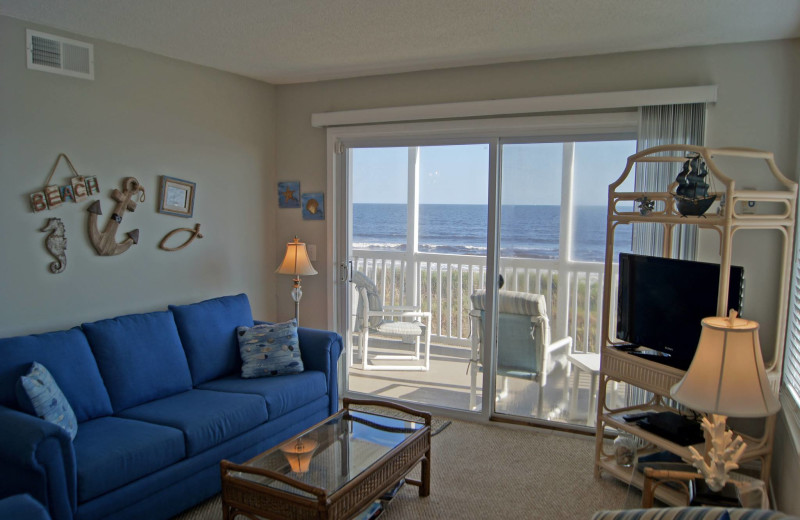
x=525, y=231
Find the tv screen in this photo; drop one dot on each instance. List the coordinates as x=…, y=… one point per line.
x=661, y=302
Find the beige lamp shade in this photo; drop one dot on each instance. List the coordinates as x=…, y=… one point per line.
x=727, y=374
x=296, y=261
x=299, y=453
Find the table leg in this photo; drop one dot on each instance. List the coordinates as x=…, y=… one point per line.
x=425, y=488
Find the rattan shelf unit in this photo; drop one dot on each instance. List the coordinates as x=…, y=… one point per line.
x=726, y=217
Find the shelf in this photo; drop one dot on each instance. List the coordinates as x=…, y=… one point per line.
x=776, y=212
x=667, y=495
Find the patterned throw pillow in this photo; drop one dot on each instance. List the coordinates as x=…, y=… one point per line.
x=270, y=349
x=38, y=392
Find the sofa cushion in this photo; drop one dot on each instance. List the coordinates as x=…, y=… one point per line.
x=39, y=394
x=208, y=334
x=206, y=418
x=69, y=359
x=270, y=349
x=140, y=357
x=281, y=393
x=112, y=452
x=24, y=507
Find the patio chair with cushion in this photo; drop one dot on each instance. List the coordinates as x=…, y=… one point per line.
x=402, y=323
x=524, y=349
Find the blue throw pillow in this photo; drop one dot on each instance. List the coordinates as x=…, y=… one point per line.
x=270, y=349
x=38, y=392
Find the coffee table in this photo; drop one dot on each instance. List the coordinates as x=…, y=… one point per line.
x=334, y=470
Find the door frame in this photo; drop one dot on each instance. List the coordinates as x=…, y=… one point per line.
x=486, y=131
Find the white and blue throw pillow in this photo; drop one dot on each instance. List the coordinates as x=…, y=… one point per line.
x=270, y=349
x=37, y=392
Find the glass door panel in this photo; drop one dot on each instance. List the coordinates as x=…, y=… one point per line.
x=552, y=247
x=419, y=227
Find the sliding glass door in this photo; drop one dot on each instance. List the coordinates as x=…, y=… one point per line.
x=472, y=269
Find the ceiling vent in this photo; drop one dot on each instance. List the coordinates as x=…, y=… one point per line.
x=58, y=55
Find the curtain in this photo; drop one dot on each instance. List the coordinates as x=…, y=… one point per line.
x=658, y=125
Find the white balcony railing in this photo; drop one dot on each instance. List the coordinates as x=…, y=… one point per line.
x=442, y=284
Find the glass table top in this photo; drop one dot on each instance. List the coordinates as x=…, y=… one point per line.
x=333, y=453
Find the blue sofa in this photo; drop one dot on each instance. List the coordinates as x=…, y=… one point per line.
x=159, y=402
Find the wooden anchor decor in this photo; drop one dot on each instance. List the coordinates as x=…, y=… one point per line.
x=194, y=233
x=56, y=244
x=105, y=242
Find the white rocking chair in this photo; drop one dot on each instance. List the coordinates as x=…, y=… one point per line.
x=369, y=315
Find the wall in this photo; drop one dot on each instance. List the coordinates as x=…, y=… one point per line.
x=143, y=116
x=757, y=107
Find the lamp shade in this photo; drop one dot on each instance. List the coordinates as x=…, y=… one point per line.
x=299, y=453
x=727, y=374
x=296, y=261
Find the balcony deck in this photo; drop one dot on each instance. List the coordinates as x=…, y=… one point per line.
x=567, y=396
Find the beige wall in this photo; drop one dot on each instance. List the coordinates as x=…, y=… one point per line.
x=143, y=116
x=757, y=107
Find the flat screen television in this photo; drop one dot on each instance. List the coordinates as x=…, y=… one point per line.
x=661, y=302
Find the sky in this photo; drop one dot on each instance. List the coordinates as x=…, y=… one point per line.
x=459, y=174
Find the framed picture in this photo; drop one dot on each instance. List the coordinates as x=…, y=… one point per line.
x=313, y=206
x=289, y=194
x=177, y=197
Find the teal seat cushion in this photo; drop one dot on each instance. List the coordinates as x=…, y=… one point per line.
x=270, y=349
x=282, y=394
x=38, y=393
x=112, y=451
x=140, y=357
x=206, y=418
x=68, y=358
x=208, y=333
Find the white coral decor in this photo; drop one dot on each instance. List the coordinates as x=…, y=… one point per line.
x=723, y=456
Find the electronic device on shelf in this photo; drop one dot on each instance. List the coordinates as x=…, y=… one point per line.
x=674, y=427
x=661, y=302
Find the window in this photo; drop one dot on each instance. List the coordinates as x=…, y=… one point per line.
x=790, y=392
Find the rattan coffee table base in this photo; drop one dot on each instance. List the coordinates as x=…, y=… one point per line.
x=245, y=498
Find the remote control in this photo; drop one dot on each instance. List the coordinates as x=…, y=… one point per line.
x=635, y=416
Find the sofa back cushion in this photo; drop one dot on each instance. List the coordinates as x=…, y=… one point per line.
x=208, y=334
x=67, y=356
x=140, y=357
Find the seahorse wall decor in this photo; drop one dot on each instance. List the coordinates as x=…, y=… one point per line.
x=56, y=244
x=105, y=242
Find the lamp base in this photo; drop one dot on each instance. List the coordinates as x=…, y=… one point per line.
x=723, y=452
x=297, y=293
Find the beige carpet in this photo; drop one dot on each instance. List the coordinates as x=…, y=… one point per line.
x=493, y=471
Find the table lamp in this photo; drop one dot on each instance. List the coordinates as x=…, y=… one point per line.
x=295, y=263
x=726, y=379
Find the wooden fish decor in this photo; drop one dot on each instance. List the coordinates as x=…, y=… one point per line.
x=56, y=244
x=193, y=233
x=105, y=242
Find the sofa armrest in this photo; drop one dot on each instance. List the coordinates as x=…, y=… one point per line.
x=320, y=350
x=37, y=457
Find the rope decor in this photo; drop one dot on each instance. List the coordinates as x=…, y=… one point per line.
x=52, y=196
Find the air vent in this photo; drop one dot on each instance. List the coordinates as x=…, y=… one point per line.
x=58, y=55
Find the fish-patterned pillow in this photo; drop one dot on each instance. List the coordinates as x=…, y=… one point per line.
x=37, y=392
x=269, y=349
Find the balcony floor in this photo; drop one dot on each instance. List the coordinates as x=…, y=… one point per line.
x=566, y=398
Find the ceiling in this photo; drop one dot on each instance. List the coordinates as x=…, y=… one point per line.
x=293, y=41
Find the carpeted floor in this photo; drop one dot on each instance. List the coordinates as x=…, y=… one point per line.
x=493, y=471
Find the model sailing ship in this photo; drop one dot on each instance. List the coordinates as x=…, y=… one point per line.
x=691, y=195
